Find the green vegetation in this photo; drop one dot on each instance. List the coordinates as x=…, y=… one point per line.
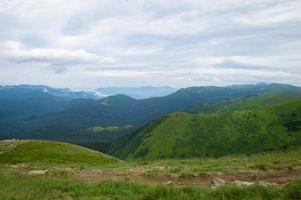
x=183, y=135
x=250, y=134
x=26, y=187
x=248, y=103
x=277, y=160
x=50, y=152
x=61, y=180
x=99, y=129
x=27, y=113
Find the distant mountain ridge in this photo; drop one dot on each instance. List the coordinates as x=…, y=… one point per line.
x=124, y=110
x=44, y=116
x=121, y=109
x=17, y=91
x=30, y=91
x=138, y=92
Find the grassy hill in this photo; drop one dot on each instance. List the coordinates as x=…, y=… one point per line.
x=247, y=103
x=184, y=135
x=34, y=151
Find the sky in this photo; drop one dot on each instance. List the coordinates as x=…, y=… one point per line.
x=86, y=44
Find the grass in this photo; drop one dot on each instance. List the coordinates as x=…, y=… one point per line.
x=184, y=135
x=249, y=103
x=51, y=152
x=18, y=186
x=57, y=153
x=60, y=183
x=276, y=160
x=99, y=129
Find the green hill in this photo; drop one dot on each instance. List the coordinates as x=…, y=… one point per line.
x=184, y=135
x=247, y=103
x=37, y=151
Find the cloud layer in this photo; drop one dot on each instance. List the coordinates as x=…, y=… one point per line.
x=92, y=43
x=15, y=53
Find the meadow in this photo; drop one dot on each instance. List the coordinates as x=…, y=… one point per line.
x=273, y=175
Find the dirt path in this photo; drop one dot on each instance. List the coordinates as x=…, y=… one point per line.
x=140, y=175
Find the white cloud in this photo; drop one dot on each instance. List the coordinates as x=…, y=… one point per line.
x=138, y=51
x=172, y=25
x=156, y=42
x=284, y=62
x=282, y=12
x=16, y=53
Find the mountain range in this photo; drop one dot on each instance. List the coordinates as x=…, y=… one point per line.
x=24, y=91
x=137, y=92
x=40, y=112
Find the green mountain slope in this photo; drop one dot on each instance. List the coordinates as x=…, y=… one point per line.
x=70, y=124
x=247, y=103
x=184, y=135
x=37, y=151
x=122, y=110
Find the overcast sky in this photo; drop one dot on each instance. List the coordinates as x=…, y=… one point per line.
x=86, y=44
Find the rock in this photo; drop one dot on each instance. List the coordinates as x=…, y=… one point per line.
x=266, y=184
x=37, y=172
x=169, y=183
x=217, y=182
x=242, y=183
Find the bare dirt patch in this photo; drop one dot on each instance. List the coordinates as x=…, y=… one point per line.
x=147, y=176
x=279, y=177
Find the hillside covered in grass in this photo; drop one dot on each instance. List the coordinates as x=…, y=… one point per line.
x=184, y=135
x=31, y=151
x=247, y=103
x=276, y=176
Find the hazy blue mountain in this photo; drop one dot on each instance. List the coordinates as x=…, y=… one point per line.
x=137, y=92
x=31, y=101
x=29, y=91
x=125, y=110
x=56, y=117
